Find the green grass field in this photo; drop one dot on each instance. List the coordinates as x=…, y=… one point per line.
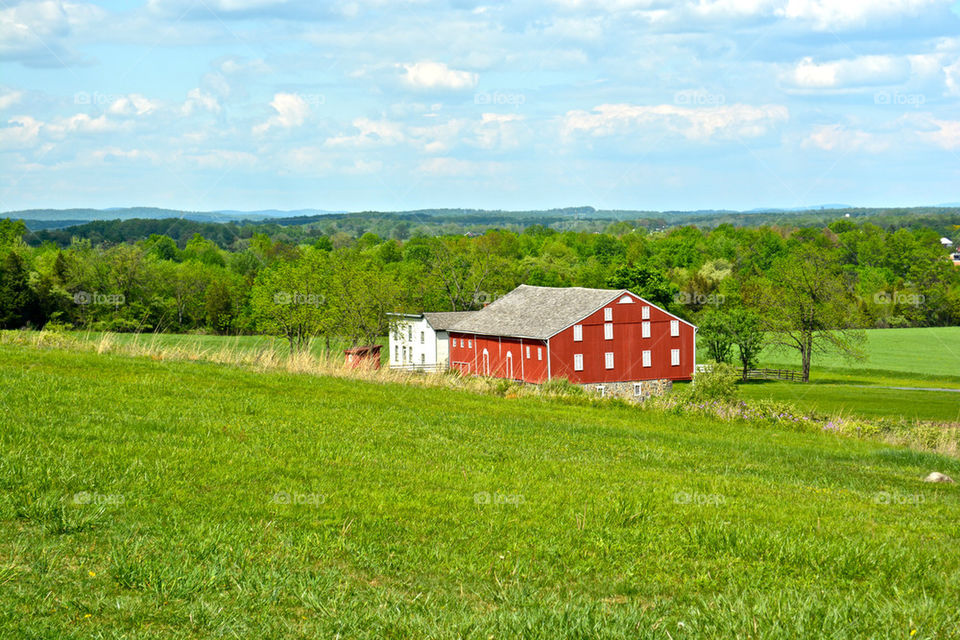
x=145, y=499
x=923, y=354
x=927, y=357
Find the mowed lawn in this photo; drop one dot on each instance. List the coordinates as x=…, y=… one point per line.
x=925, y=357
x=844, y=400
x=144, y=499
x=929, y=352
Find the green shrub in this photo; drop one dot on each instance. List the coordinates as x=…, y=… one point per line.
x=719, y=383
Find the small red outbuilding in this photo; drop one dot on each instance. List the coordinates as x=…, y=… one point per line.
x=367, y=356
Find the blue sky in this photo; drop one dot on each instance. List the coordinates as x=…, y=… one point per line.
x=373, y=104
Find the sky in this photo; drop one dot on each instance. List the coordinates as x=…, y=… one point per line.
x=398, y=105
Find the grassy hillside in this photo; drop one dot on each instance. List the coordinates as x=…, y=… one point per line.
x=150, y=499
x=868, y=402
x=927, y=352
x=927, y=357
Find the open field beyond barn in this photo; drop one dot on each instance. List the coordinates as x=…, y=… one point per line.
x=148, y=499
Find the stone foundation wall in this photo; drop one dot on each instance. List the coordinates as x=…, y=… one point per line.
x=630, y=390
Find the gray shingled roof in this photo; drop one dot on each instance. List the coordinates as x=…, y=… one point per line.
x=536, y=312
x=443, y=320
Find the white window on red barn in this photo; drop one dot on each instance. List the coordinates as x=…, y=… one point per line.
x=528, y=353
x=675, y=357
x=608, y=314
x=608, y=359
x=469, y=344
x=646, y=359
x=578, y=333
x=454, y=340
x=578, y=362
x=539, y=353
x=645, y=330
x=608, y=331
x=674, y=328
x=645, y=314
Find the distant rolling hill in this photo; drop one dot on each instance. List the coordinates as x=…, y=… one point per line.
x=60, y=218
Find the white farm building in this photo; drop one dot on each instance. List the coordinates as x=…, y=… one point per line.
x=421, y=342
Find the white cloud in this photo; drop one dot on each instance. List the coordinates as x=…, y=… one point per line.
x=699, y=124
x=35, y=32
x=952, y=78
x=199, y=99
x=945, y=135
x=733, y=8
x=844, y=14
x=437, y=75
x=371, y=133
x=82, y=123
x=853, y=72
x=498, y=131
x=132, y=104
x=9, y=98
x=836, y=137
x=22, y=132
x=292, y=111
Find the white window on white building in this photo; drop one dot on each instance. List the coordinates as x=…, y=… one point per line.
x=646, y=359
x=410, y=333
x=423, y=358
x=528, y=353
x=404, y=355
x=539, y=353
x=608, y=331
x=423, y=337
x=578, y=333
x=674, y=328
x=645, y=329
x=675, y=357
x=645, y=314
x=396, y=353
x=608, y=359
x=608, y=314
x=578, y=362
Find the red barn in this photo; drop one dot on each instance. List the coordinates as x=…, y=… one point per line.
x=588, y=336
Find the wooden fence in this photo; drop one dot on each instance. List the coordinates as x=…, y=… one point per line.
x=774, y=374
